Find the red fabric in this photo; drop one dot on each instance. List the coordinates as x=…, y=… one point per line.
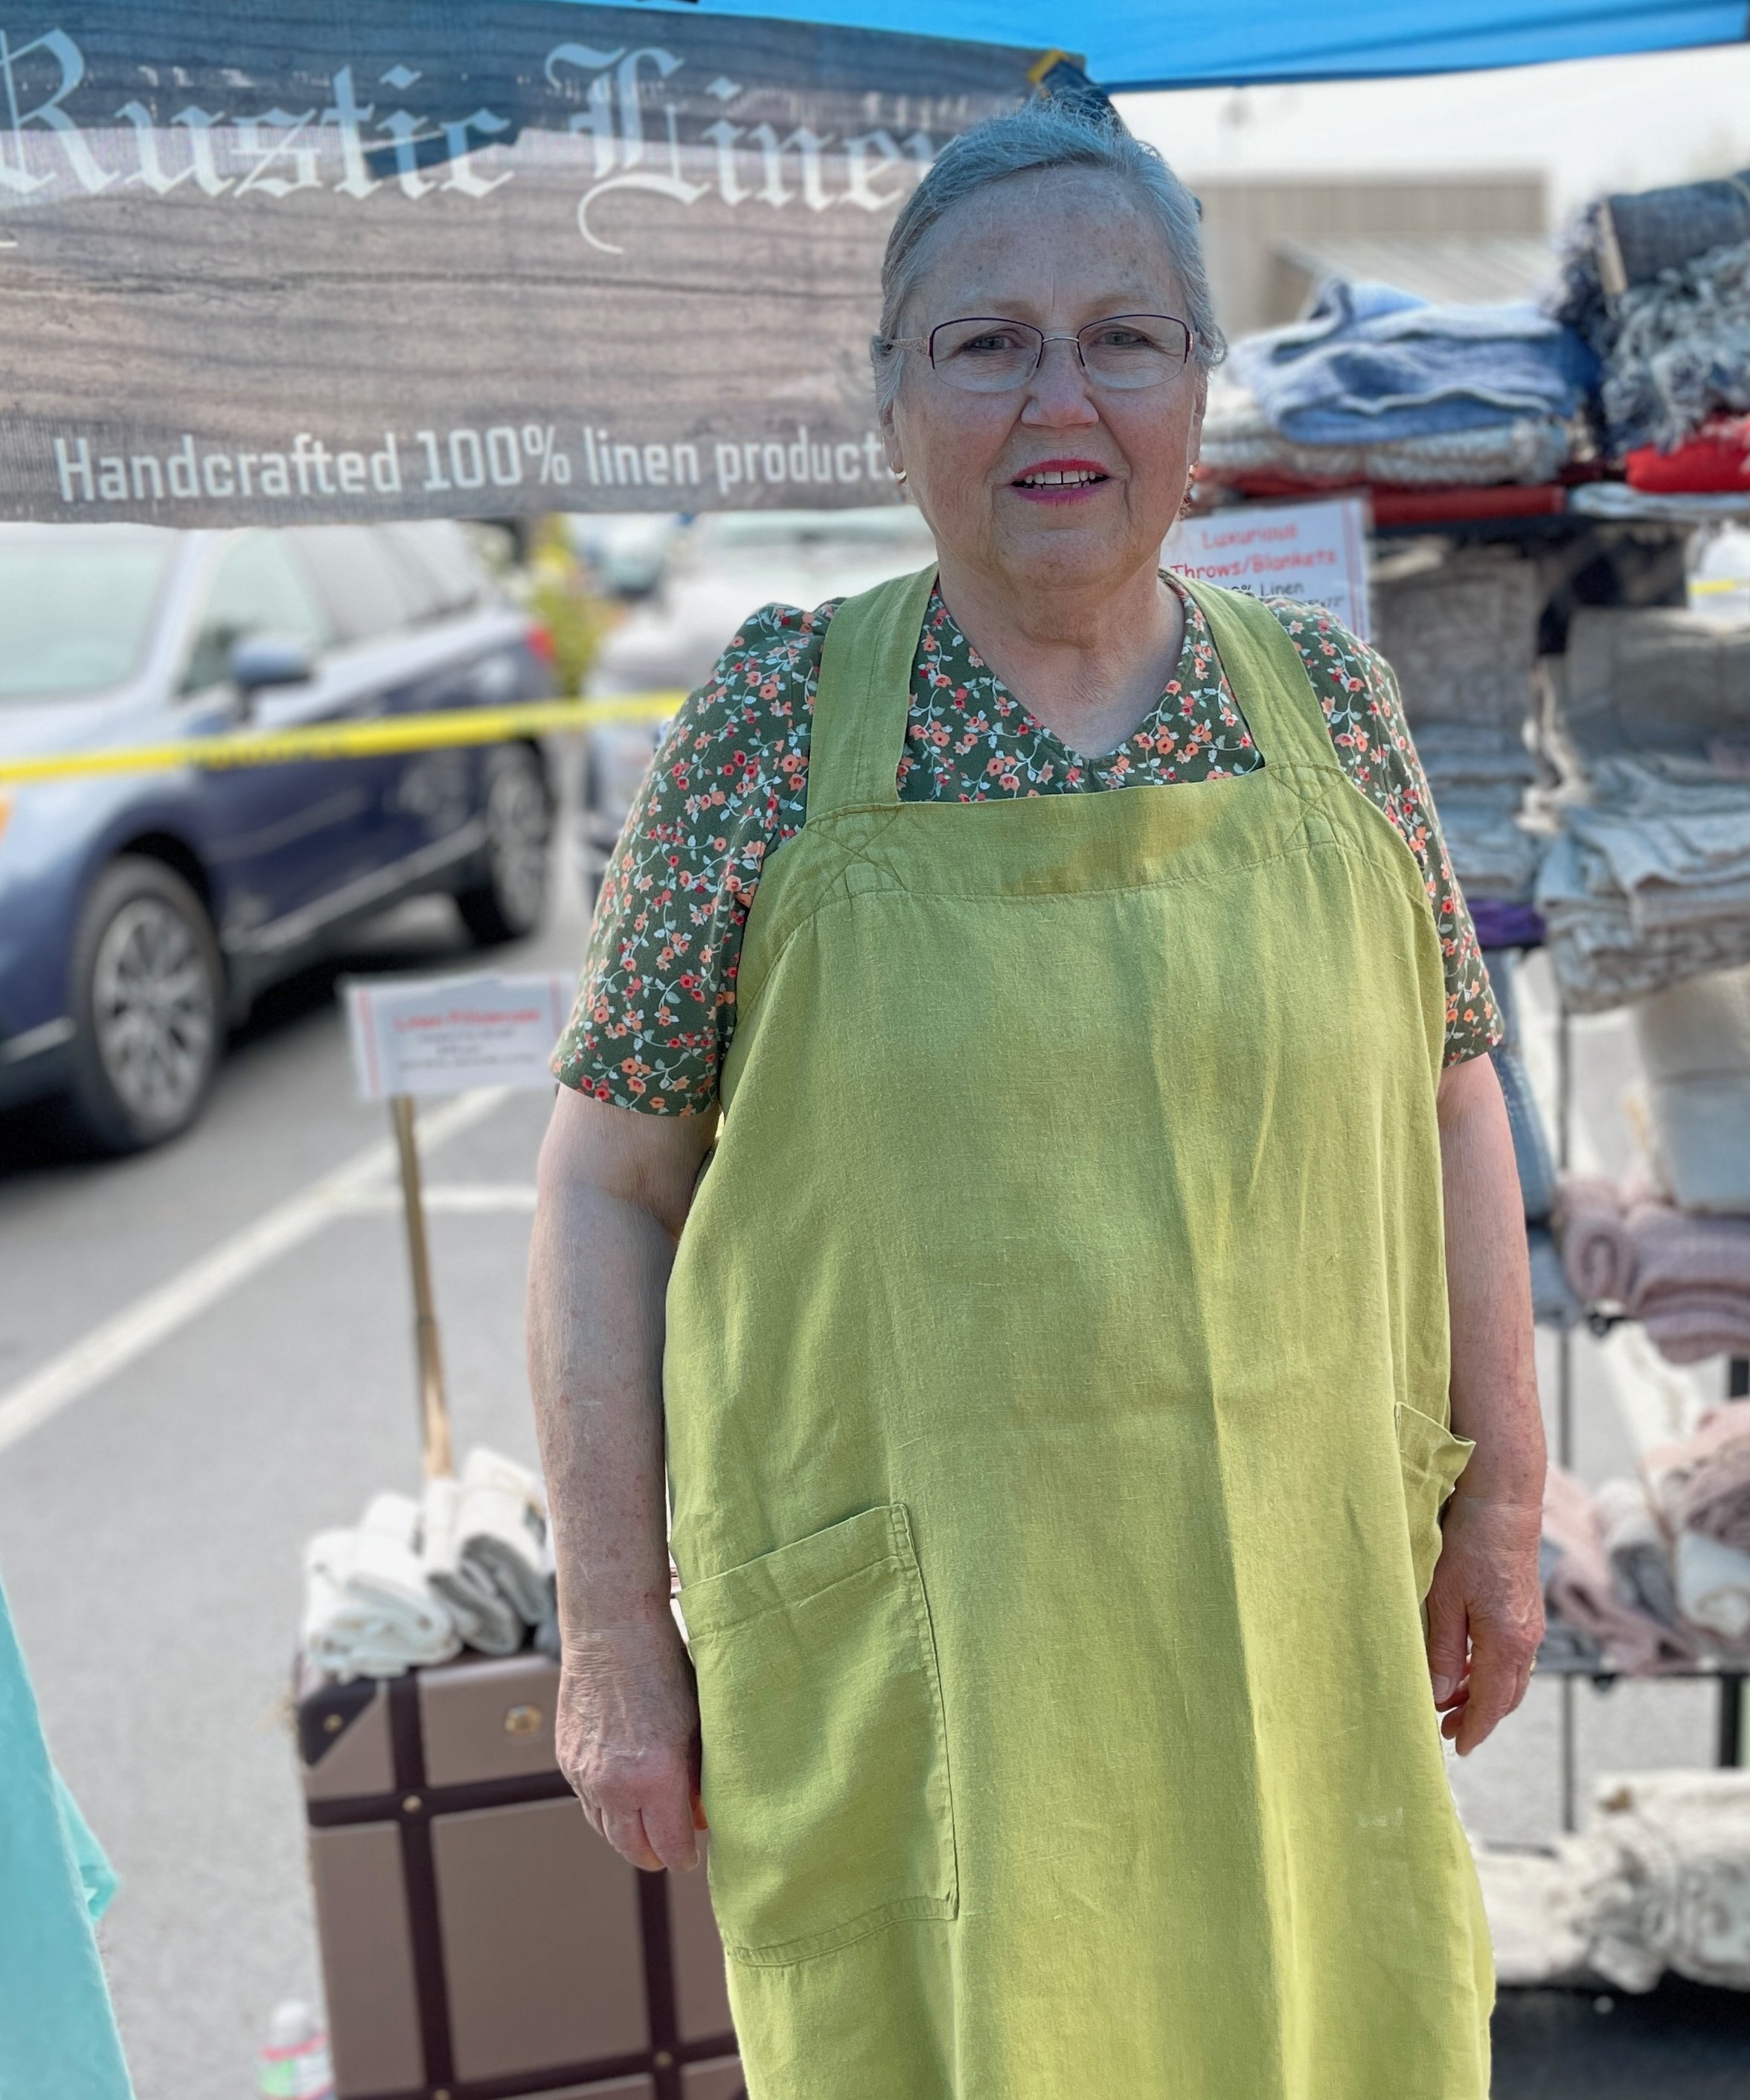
x=1396, y=505
x=1453, y=506
x=1715, y=462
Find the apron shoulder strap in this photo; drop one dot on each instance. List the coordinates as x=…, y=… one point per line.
x=864, y=696
x=1268, y=676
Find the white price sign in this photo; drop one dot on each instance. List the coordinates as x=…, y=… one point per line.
x=445, y=1035
x=1315, y=551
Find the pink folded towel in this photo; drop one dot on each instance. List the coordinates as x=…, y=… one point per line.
x=1702, y=1483
x=1582, y=1592
x=1685, y=1278
x=1591, y=1226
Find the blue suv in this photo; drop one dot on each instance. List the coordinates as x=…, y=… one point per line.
x=141, y=912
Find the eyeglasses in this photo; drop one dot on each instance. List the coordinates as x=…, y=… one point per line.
x=986, y=355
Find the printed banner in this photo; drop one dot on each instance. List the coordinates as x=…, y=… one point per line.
x=345, y=258
x=1311, y=550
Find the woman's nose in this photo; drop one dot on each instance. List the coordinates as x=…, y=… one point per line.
x=1057, y=395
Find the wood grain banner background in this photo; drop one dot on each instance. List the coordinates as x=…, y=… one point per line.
x=360, y=259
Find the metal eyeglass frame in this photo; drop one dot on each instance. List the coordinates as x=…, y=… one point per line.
x=927, y=343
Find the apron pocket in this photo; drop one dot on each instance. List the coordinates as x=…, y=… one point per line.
x=1432, y=1458
x=825, y=1776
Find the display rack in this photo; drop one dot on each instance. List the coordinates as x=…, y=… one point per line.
x=1730, y=1734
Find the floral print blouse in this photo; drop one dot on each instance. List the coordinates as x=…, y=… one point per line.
x=657, y=1007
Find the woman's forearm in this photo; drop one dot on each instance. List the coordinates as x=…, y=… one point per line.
x=598, y=1270
x=614, y=1189
x=613, y=1193
x=1485, y=1610
x=1494, y=1372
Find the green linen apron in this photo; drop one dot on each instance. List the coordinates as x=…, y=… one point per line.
x=1056, y=1385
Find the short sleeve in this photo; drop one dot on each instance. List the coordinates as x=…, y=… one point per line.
x=1364, y=712
x=655, y=1006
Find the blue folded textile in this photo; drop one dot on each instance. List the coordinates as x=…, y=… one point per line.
x=1369, y=363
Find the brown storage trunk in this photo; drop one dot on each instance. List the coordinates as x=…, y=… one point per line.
x=480, y=1942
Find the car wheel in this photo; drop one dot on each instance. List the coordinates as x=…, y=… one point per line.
x=513, y=899
x=148, y=1005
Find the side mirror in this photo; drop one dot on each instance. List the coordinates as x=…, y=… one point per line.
x=261, y=660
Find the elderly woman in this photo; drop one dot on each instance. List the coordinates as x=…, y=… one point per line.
x=1029, y=1184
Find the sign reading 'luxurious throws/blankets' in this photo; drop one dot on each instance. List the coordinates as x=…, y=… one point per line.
x=373, y=259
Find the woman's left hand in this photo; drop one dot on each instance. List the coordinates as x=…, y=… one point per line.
x=1485, y=1615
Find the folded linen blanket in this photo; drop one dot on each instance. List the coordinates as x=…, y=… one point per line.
x=1639, y=1553
x=1690, y=1287
x=1597, y=1250
x=1659, y=1879
x=485, y=1539
x=1616, y=499
x=1492, y=853
x=1461, y=636
x=369, y=1610
x=1648, y=883
x=1653, y=229
x=1582, y=1592
x=485, y=1620
x=1713, y=1592
x=1532, y=1902
x=1368, y=362
x=1695, y=1043
x=1659, y=683
x=1475, y=755
x=1662, y=1879
x=1701, y=1483
x=1698, y=1327
x=1239, y=437
x=1601, y=960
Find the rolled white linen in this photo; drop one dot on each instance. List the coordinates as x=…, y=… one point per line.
x=368, y=1610
x=485, y=1550
x=501, y=1525
x=1713, y=1590
x=486, y=1620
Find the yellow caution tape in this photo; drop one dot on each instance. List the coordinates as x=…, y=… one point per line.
x=351, y=739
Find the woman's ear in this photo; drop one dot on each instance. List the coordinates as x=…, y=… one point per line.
x=890, y=438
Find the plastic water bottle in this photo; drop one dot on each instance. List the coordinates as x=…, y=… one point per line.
x=295, y=2064
x=1719, y=574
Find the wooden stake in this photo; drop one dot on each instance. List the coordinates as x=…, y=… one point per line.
x=434, y=1409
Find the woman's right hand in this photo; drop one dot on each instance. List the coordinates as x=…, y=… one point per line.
x=628, y=1740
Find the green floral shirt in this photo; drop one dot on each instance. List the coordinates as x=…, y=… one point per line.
x=657, y=1007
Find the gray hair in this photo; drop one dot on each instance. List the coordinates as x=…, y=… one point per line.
x=1041, y=134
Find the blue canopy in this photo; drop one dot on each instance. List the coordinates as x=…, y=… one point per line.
x=1132, y=44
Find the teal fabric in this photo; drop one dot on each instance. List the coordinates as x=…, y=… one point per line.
x=57, y=2039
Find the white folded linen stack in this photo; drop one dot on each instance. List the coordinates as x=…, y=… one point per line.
x=1660, y=1879
x=485, y=1553
x=368, y=1610
x=1648, y=882
x=1694, y=1043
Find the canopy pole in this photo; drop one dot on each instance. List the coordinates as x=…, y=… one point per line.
x=434, y=1409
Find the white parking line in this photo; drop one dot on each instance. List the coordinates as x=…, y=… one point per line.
x=460, y=1198
x=140, y=1326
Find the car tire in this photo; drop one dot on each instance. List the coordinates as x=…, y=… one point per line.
x=148, y=1006
x=512, y=901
